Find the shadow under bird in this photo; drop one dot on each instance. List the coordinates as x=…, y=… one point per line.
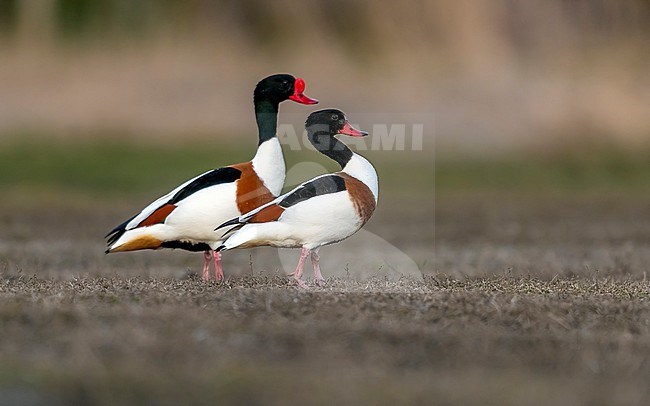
x=185, y=218
x=324, y=210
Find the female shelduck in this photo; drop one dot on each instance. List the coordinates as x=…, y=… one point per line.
x=327, y=209
x=186, y=217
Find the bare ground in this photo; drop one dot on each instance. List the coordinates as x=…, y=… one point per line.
x=486, y=323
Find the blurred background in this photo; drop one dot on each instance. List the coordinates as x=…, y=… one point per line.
x=106, y=104
x=496, y=75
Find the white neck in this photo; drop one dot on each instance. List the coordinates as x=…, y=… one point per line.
x=268, y=163
x=362, y=169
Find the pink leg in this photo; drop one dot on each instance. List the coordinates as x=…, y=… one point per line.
x=206, y=266
x=218, y=272
x=318, y=277
x=297, y=274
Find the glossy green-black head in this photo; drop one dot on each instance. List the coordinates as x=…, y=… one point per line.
x=331, y=122
x=281, y=87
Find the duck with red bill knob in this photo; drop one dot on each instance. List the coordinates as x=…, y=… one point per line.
x=324, y=210
x=185, y=218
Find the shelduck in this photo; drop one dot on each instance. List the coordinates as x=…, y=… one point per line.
x=324, y=210
x=185, y=218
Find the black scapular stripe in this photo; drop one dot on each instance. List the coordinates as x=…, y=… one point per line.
x=317, y=187
x=214, y=177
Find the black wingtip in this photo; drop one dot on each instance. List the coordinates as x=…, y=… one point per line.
x=228, y=223
x=232, y=230
x=114, y=237
x=117, y=232
x=220, y=248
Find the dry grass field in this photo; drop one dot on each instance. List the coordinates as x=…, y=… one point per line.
x=256, y=340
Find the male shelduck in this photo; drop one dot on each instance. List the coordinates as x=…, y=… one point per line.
x=327, y=209
x=186, y=217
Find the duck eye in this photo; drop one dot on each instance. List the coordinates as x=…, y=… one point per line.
x=335, y=117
